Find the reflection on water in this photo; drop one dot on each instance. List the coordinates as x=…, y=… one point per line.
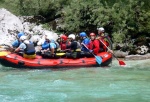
x=110, y=84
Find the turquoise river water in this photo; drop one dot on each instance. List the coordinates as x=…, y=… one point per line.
x=109, y=84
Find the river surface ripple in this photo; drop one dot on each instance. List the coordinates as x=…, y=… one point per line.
x=108, y=84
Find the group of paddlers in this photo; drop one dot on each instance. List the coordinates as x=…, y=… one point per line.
x=64, y=46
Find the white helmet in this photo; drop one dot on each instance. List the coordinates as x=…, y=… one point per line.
x=22, y=38
x=46, y=34
x=71, y=36
x=49, y=38
x=35, y=38
x=101, y=29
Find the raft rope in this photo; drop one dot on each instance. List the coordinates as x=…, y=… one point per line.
x=38, y=62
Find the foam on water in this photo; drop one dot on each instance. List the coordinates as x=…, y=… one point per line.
x=109, y=84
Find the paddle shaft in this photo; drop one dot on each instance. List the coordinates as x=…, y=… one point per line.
x=98, y=58
x=88, y=49
x=109, y=49
x=9, y=48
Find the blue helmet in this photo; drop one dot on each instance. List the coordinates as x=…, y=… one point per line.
x=20, y=34
x=82, y=34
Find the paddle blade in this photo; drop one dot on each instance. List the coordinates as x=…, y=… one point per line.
x=121, y=63
x=3, y=54
x=98, y=59
x=60, y=54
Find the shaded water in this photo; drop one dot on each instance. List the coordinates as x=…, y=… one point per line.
x=110, y=84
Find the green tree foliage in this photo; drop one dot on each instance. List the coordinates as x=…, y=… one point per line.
x=49, y=9
x=130, y=20
x=11, y=5
x=82, y=15
x=122, y=19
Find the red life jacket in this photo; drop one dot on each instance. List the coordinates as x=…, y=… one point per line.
x=63, y=45
x=95, y=46
x=102, y=46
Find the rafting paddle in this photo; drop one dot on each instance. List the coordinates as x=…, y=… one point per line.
x=3, y=53
x=98, y=58
x=60, y=54
x=121, y=63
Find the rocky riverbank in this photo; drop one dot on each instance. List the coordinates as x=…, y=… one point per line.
x=126, y=56
x=137, y=57
x=10, y=25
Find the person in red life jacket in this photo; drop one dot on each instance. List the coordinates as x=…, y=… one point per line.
x=101, y=38
x=64, y=42
x=94, y=44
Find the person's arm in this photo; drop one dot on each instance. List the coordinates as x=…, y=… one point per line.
x=17, y=49
x=96, y=44
x=15, y=43
x=22, y=46
x=45, y=46
x=52, y=48
x=90, y=45
x=86, y=42
x=69, y=46
x=52, y=51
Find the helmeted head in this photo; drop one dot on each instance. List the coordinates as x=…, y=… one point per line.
x=92, y=36
x=100, y=30
x=71, y=36
x=20, y=34
x=46, y=35
x=35, y=38
x=64, y=37
x=22, y=38
x=83, y=34
x=49, y=39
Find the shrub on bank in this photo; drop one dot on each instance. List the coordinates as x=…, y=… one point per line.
x=122, y=19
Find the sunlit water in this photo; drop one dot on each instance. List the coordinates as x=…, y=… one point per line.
x=109, y=84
